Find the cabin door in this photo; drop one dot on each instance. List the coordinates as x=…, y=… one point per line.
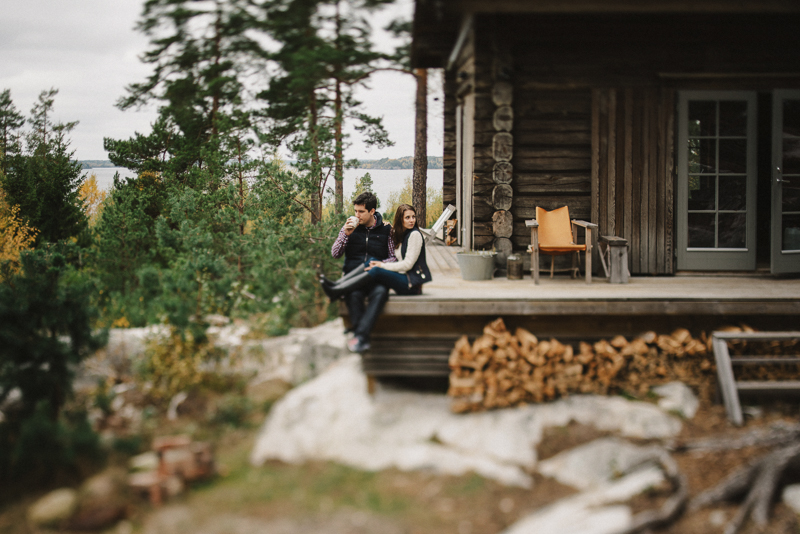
x=785, y=231
x=717, y=171
x=465, y=152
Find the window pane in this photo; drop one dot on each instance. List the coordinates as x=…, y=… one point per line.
x=702, y=118
x=733, y=193
x=791, y=156
x=732, y=230
x=791, y=118
x=702, y=156
x=702, y=192
x=791, y=194
x=701, y=230
x=733, y=118
x=791, y=232
x=733, y=155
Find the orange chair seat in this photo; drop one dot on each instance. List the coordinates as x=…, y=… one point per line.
x=561, y=249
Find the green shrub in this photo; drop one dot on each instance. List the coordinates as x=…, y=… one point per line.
x=39, y=450
x=233, y=410
x=175, y=363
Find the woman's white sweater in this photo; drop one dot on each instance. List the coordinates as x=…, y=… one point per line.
x=403, y=265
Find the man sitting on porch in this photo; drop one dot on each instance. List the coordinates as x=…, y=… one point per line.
x=371, y=239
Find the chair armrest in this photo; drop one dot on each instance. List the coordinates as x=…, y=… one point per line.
x=584, y=224
x=531, y=223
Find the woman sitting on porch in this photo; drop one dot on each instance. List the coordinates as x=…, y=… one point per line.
x=407, y=275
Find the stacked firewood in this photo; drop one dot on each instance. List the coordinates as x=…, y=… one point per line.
x=501, y=369
x=450, y=233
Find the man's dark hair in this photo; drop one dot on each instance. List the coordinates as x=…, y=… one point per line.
x=366, y=199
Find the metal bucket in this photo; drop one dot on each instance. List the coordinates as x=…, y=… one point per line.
x=475, y=266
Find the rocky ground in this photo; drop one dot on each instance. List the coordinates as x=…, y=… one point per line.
x=334, y=457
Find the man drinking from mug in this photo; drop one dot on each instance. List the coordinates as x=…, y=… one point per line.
x=364, y=237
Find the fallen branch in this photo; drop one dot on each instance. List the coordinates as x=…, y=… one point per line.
x=760, y=480
x=672, y=507
x=776, y=435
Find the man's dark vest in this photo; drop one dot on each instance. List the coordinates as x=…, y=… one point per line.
x=364, y=244
x=419, y=273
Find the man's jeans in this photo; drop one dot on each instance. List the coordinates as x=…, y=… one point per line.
x=363, y=317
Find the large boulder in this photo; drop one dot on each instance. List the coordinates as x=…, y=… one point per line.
x=334, y=417
x=125, y=345
x=677, y=397
x=791, y=497
x=54, y=509
x=291, y=359
x=597, y=462
x=102, y=501
x=294, y=358
x=593, y=512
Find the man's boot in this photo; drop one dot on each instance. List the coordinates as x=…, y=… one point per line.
x=348, y=285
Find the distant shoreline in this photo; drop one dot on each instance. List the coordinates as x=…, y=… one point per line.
x=404, y=163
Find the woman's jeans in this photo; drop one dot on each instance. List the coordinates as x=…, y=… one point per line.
x=393, y=280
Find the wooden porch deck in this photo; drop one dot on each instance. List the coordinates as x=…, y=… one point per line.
x=415, y=334
x=748, y=294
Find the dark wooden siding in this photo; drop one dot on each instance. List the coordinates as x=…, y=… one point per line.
x=552, y=154
x=632, y=169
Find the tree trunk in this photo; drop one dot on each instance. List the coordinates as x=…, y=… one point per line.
x=420, y=183
x=316, y=195
x=338, y=156
x=338, y=174
x=217, y=41
x=240, y=203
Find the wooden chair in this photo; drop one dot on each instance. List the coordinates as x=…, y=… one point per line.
x=439, y=224
x=553, y=233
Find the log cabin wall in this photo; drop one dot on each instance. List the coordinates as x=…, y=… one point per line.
x=459, y=81
x=592, y=119
x=550, y=133
x=486, y=59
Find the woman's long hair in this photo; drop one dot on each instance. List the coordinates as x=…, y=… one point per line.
x=397, y=226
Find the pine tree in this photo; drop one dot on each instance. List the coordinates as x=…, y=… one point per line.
x=200, y=53
x=125, y=233
x=325, y=53
x=55, y=175
x=45, y=329
x=10, y=123
x=363, y=184
x=44, y=180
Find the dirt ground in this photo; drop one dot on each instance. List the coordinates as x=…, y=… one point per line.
x=326, y=498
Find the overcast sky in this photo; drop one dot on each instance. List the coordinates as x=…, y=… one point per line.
x=88, y=50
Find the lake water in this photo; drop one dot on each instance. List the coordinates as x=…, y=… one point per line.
x=384, y=181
